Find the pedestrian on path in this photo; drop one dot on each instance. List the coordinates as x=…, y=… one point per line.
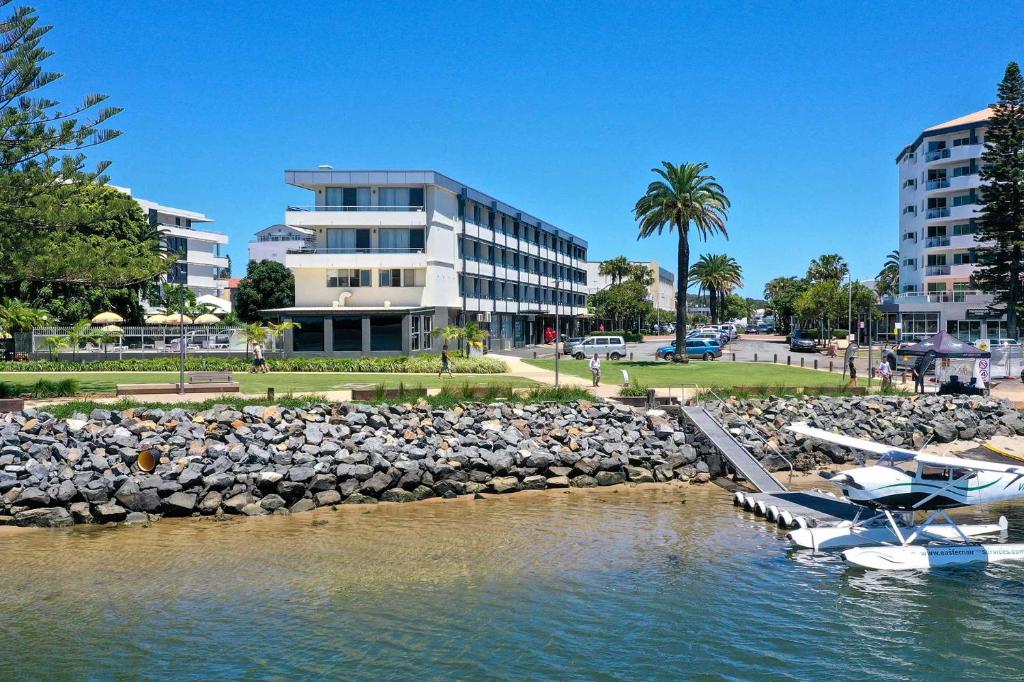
x=446, y=362
x=595, y=370
x=853, y=374
x=259, y=363
x=885, y=372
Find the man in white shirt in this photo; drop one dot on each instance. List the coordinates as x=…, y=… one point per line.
x=595, y=369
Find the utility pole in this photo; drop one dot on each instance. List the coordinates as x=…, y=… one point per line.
x=849, y=304
x=181, y=343
x=557, y=332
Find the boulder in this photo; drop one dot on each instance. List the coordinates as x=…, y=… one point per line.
x=325, y=498
x=397, y=495
x=44, y=517
x=109, y=512
x=610, y=478
x=505, y=484
x=179, y=504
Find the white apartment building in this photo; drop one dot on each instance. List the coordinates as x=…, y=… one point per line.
x=661, y=293
x=201, y=267
x=938, y=223
x=275, y=241
x=397, y=254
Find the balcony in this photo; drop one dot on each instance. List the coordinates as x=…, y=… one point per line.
x=356, y=216
x=959, y=296
x=937, y=213
x=937, y=270
x=935, y=242
x=367, y=258
x=936, y=155
x=937, y=184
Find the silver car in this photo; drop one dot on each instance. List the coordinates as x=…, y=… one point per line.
x=613, y=347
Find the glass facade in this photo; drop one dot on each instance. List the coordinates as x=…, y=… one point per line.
x=386, y=333
x=309, y=337
x=347, y=333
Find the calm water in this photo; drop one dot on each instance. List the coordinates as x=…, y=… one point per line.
x=637, y=584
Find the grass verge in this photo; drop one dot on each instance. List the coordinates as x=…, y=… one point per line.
x=715, y=374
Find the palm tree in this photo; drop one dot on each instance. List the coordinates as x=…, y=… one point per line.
x=617, y=268
x=55, y=343
x=472, y=334
x=888, y=279
x=16, y=316
x=79, y=334
x=254, y=333
x=682, y=196
x=277, y=329
x=718, y=274
x=826, y=267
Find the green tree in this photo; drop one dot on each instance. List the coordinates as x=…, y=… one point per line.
x=682, y=196
x=887, y=282
x=641, y=274
x=254, y=333
x=781, y=295
x=822, y=302
x=717, y=274
x=16, y=316
x=267, y=284
x=623, y=301
x=733, y=307
x=112, y=217
x=81, y=333
x=45, y=189
x=829, y=266
x=617, y=268
x=472, y=334
x=1001, y=226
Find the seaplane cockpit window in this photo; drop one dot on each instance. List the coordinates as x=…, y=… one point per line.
x=963, y=473
x=934, y=473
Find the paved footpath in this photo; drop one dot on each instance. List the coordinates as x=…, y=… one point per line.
x=516, y=367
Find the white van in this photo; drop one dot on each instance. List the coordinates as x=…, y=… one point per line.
x=613, y=347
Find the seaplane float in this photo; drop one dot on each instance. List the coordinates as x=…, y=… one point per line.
x=904, y=485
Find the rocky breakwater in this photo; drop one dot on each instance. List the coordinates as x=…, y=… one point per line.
x=270, y=460
x=907, y=422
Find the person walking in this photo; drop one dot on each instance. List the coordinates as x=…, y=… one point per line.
x=259, y=363
x=853, y=374
x=885, y=372
x=919, y=374
x=446, y=362
x=595, y=370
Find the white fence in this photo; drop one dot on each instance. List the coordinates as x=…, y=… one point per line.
x=150, y=339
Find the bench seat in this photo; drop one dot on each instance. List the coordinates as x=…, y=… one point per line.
x=154, y=389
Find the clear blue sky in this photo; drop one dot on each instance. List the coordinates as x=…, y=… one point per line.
x=558, y=108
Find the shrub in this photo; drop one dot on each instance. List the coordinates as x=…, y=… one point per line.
x=9, y=390
x=634, y=391
x=400, y=365
x=829, y=334
x=628, y=337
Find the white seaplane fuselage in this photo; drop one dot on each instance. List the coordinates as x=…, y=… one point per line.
x=927, y=488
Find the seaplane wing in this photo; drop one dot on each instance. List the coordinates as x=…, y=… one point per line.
x=899, y=454
x=848, y=441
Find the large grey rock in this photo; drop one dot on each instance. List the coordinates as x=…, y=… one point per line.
x=109, y=511
x=132, y=498
x=326, y=498
x=179, y=504
x=45, y=517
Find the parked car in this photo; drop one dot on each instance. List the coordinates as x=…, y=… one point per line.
x=765, y=328
x=729, y=329
x=695, y=348
x=801, y=344
x=612, y=346
x=716, y=335
x=1010, y=343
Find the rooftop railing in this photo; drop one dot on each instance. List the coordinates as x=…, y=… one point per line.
x=350, y=250
x=401, y=209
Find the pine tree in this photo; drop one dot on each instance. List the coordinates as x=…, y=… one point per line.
x=1001, y=225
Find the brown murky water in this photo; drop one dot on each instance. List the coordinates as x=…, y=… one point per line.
x=655, y=582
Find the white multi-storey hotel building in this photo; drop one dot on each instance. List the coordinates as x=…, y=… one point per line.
x=397, y=254
x=938, y=218
x=201, y=266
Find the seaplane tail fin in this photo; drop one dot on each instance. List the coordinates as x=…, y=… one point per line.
x=839, y=439
x=972, y=464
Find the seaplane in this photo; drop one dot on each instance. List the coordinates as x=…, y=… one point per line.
x=900, y=488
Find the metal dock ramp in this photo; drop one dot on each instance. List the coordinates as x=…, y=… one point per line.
x=738, y=456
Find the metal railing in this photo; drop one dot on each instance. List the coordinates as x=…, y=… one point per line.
x=937, y=184
x=936, y=155
x=937, y=241
x=937, y=270
x=318, y=208
x=367, y=249
x=938, y=212
x=726, y=406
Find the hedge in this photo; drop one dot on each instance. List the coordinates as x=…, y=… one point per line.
x=830, y=333
x=377, y=365
x=628, y=337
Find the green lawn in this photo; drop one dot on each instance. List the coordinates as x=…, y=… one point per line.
x=284, y=382
x=719, y=373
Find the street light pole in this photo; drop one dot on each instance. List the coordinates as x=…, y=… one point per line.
x=557, y=333
x=181, y=344
x=849, y=318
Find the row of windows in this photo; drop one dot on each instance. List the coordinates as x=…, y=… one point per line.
x=508, y=225
x=347, y=333
x=362, y=198
x=349, y=278
x=483, y=252
x=502, y=290
x=968, y=257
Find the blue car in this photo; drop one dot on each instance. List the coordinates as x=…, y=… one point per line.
x=695, y=348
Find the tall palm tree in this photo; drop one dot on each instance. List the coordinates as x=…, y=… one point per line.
x=683, y=195
x=16, y=316
x=617, y=268
x=887, y=282
x=828, y=267
x=80, y=334
x=254, y=333
x=718, y=274
x=277, y=329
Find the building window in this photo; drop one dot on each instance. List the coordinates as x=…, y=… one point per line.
x=348, y=278
x=386, y=333
x=428, y=328
x=965, y=228
x=414, y=332
x=309, y=336
x=400, y=240
x=178, y=274
x=909, y=209
x=965, y=257
x=347, y=199
x=965, y=199
x=476, y=215
x=348, y=334
x=178, y=245
x=348, y=240
x=401, y=198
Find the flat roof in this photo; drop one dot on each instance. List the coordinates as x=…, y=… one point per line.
x=346, y=308
x=966, y=122
x=147, y=204
x=312, y=178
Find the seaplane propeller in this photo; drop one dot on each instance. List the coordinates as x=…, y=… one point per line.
x=903, y=483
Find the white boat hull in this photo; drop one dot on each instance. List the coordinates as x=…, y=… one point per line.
x=842, y=537
x=918, y=557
